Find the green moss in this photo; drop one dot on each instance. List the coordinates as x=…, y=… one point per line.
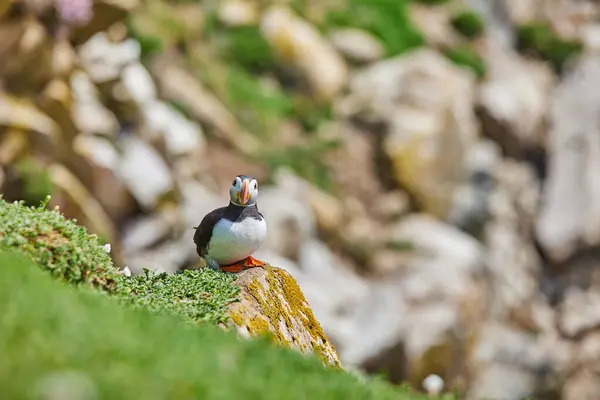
x=539, y=40
x=288, y=306
x=468, y=23
x=388, y=20
x=59, y=245
x=465, y=57
x=55, y=338
x=198, y=296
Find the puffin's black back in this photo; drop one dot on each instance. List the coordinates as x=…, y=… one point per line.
x=232, y=212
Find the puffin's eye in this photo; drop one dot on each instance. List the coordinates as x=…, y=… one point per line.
x=234, y=182
x=255, y=185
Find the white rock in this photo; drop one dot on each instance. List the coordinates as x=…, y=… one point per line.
x=139, y=83
x=181, y=135
x=357, y=45
x=570, y=215
x=104, y=60
x=515, y=96
x=89, y=113
x=144, y=172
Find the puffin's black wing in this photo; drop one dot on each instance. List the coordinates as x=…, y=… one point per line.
x=204, y=230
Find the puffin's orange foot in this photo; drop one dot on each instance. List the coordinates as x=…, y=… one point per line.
x=248, y=262
x=252, y=262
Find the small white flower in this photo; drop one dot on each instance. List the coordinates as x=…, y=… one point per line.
x=433, y=384
x=126, y=271
x=106, y=247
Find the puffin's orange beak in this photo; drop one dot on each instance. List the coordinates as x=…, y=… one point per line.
x=244, y=198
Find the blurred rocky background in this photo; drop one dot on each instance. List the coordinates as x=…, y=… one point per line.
x=427, y=167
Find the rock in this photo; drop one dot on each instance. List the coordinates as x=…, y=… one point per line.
x=327, y=209
x=101, y=162
x=179, y=85
x=502, y=382
x=180, y=135
x=439, y=288
x=427, y=137
x=13, y=144
x=470, y=206
x=167, y=256
x=105, y=14
x=104, y=60
x=434, y=24
x=513, y=100
x=145, y=232
x=567, y=221
x=197, y=201
x=56, y=100
x=89, y=114
x=239, y=12
x=28, y=50
x=343, y=303
x=579, y=312
x=583, y=385
x=273, y=303
x=79, y=203
x=139, y=83
x=300, y=45
x=23, y=114
x=391, y=205
x=289, y=219
x=357, y=45
x=514, y=266
x=144, y=172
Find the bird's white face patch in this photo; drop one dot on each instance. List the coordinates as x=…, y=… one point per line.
x=234, y=241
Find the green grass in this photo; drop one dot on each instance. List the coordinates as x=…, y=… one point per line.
x=61, y=246
x=195, y=295
x=49, y=329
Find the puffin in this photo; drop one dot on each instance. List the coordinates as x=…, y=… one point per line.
x=228, y=236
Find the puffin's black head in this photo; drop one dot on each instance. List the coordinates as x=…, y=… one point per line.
x=243, y=191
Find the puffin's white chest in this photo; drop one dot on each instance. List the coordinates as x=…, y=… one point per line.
x=234, y=241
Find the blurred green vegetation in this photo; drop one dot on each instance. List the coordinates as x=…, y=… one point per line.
x=387, y=20
x=539, y=40
x=464, y=56
x=468, y=23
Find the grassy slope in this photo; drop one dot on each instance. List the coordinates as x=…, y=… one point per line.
x=49, y=327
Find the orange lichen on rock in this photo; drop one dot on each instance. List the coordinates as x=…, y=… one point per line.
x=273, y=304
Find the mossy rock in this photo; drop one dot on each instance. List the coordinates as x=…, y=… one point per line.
x=57, y=244
x=273, y=304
